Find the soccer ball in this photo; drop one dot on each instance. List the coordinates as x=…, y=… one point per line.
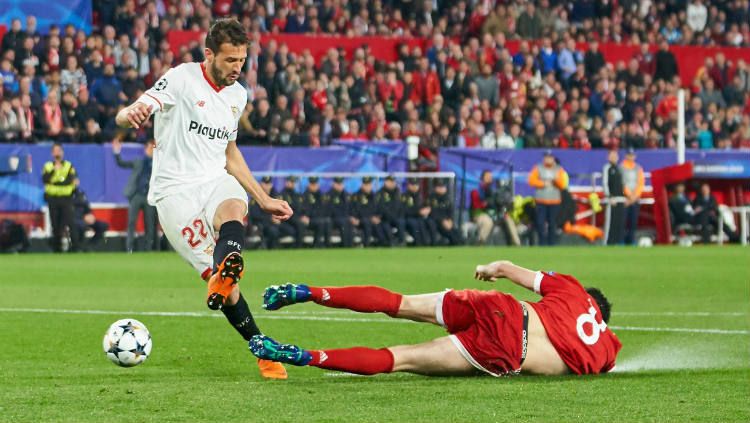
x=127, y=343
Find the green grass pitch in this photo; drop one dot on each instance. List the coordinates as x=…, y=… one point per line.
x=683, y=316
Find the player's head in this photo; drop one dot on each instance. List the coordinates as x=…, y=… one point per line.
x=604, y=305
x=226, y=51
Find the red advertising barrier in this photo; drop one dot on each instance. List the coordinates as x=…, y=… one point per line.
x=3, y=29
x=689, y=58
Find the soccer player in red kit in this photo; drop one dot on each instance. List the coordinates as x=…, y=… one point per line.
x=489, y=331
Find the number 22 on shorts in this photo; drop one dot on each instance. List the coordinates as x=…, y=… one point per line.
x=190, y=233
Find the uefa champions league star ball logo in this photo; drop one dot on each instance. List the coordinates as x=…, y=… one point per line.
x=160, y=84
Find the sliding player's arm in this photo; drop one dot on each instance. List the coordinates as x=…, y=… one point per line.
x=237, y=167
x=505, y=269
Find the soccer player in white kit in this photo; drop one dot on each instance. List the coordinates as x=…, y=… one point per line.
x=200, y=180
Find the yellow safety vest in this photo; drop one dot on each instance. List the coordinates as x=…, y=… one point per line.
x=56, y=186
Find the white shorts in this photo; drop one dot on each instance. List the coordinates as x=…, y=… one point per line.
x=186, y=219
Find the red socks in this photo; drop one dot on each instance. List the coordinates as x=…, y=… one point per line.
x=359, y=360
x=364, y=299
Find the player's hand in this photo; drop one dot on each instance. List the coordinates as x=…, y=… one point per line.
x=279, y=209
x=138, y=115
x=490, y=272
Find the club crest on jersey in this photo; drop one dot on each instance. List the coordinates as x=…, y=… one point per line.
x=235, y=111
x=211, y=133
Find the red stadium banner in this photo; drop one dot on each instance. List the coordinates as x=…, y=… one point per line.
x=689, y=58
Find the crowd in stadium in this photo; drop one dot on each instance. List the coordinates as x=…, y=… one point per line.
x=465, y=89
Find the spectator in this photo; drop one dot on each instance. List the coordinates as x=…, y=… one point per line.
x=529, y=24
x=697, y=15
x=52, y=117
x=593, y=59
x=107, y=90
x=10, y=126
x=13, y=39
x=498, y=138
x=72, y=78
x=665, y=64
x=488, y=86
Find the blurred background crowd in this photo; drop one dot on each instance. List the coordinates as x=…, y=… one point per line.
x=466, y=88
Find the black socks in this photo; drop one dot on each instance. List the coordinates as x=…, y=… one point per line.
x=241, y=319
x=231, y=239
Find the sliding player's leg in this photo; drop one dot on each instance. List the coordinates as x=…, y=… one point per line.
x=438, y=357
x=363, y=299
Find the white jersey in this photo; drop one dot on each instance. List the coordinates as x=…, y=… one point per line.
x=195, y=120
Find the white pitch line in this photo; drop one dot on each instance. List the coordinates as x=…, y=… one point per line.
x=680, y=313
x=683, y=330
x=292, y=316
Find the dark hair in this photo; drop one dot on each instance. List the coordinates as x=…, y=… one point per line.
x=225, y=31
x=604, y=305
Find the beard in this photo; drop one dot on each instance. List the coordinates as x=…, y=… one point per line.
x=216, y=75
x=221, y=80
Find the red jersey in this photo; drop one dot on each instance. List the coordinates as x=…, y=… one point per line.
x=574, y=324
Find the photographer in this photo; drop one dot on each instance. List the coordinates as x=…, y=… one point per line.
x=501, y=204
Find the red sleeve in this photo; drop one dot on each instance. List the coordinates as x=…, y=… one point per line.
x=546, y=283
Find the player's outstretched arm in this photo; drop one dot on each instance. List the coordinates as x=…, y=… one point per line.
x=505, y=269
x=134, y=115
x=237, y=167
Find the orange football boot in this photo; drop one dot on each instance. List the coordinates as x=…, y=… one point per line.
x=222, y=282
x=272, y=370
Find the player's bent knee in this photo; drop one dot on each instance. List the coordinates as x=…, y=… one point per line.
x=229, y=210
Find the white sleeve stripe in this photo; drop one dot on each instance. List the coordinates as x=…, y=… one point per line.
x=538, y=282
x=149, y=100
x=157, y=100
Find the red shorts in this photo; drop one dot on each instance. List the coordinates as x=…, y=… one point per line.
x=486, y=327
